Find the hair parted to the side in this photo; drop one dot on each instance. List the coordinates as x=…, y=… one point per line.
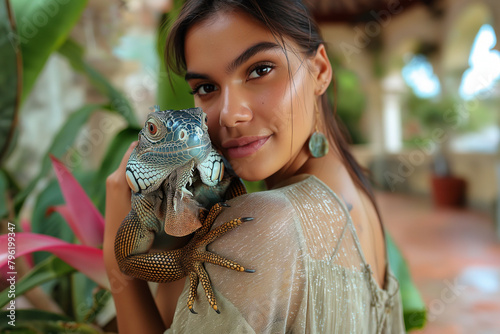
x=284, y=18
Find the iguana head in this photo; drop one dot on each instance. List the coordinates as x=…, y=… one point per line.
x=169, y=140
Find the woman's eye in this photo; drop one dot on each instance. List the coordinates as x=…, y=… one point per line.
x=260, y=71
x=204, y=89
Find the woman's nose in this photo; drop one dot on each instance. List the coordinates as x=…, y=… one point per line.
x=235, y=108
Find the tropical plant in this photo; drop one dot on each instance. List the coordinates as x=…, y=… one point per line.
x=87, y=224
x=30, y=32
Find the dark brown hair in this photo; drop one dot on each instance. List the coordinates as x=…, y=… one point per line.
x=284, y=18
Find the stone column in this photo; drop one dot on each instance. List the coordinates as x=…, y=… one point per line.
x=392, y=125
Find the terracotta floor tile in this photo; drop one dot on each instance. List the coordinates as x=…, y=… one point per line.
x=454, y=258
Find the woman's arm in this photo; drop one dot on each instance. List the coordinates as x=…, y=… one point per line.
x=135, y=307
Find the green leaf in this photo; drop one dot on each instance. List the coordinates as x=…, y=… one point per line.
x=4, y=188
x=100, y=300
x=82, y=300
x=254, y=186
x=60, y=145
x=173, y=90
x=42, y=322
x=10, y=78
x=42, y=26
x=29, y=321
x=117, y=101
x=49, y=269
x=414, y=310
x=110, y=163
x=35, y=315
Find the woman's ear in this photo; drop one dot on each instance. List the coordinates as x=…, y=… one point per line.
x=323, y=70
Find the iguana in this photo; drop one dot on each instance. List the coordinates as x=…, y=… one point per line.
x=174, y=174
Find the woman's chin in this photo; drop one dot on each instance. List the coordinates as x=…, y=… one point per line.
x=248, y=171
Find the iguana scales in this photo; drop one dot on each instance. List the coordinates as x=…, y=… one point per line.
x=175, y=174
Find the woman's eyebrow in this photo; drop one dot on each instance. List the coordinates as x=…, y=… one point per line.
x=192, y=75
x=243, y=57
x=250, y=52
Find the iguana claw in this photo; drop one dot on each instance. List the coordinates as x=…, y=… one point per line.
x=196, y=253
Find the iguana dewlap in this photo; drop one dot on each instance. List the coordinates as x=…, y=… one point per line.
x=175, y=175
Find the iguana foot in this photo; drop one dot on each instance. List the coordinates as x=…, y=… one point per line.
x=196, y=253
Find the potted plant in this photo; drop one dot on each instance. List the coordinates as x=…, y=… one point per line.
x=439, y=119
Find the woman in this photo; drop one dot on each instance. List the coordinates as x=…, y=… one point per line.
x=259, y=69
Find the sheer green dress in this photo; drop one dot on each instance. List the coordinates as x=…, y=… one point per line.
x=311, y=275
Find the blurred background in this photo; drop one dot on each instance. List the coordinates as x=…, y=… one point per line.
x=417, y=89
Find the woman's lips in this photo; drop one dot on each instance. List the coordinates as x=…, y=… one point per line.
x=244, y=146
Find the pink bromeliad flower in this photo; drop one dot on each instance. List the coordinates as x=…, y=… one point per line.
x=84, y=219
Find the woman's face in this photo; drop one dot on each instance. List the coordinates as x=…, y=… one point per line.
x=260, y=105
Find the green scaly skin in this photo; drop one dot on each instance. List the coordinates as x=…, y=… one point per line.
x=174, y=174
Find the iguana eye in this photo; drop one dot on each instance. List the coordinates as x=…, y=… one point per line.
x=183, y=135
x=152, y=128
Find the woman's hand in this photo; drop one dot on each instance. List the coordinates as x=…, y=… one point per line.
x=135, y=307
x=117, y=207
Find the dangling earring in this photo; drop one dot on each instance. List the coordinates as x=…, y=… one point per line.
x=318, y=144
